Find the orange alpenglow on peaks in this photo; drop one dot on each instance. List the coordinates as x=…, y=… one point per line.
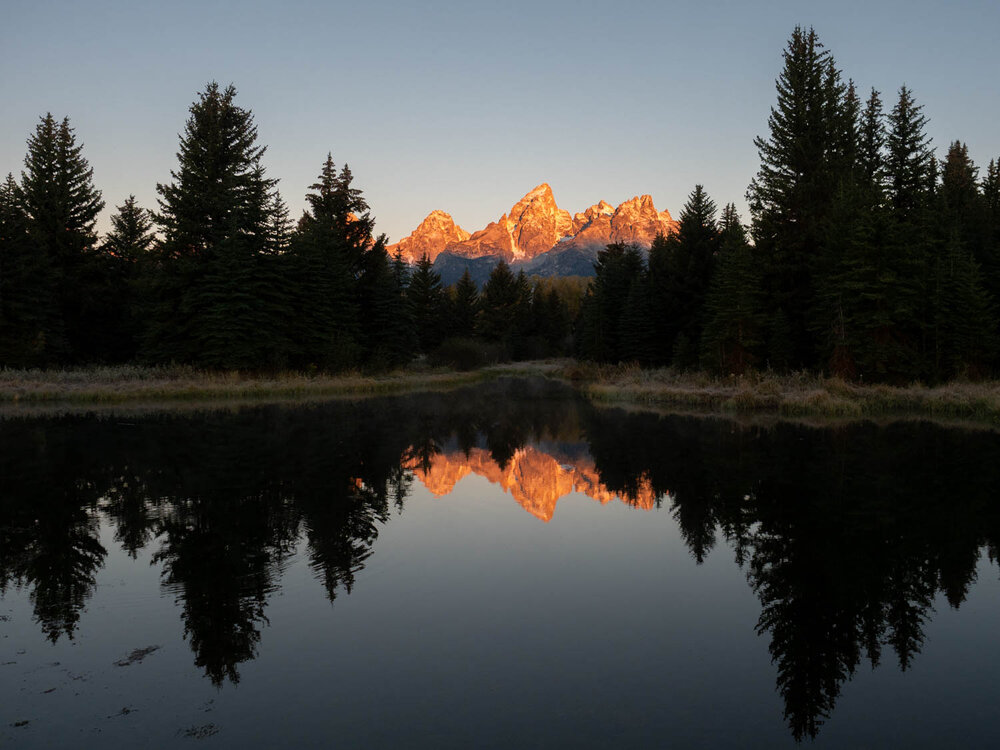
x=536, y=225
x=534, y=478
x=430, y=238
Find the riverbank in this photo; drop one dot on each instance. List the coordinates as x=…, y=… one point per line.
x=796, y=395
x=120, y=384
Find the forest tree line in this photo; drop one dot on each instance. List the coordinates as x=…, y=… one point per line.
x=220, y=277
x=867, y=257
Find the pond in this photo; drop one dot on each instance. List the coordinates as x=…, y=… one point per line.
x=499, y=566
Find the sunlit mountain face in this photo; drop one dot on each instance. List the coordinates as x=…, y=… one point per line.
x=535, y=235
x=853, y=546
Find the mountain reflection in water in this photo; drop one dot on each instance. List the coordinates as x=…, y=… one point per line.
x=846, y=534
x=536, y=476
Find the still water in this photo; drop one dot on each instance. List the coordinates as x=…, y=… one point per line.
x=503, y=566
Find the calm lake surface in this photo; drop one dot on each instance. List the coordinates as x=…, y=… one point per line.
x=503, y=566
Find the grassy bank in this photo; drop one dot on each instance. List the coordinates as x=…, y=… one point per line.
x=797, y=395
x=122, y=384
x=786, y=395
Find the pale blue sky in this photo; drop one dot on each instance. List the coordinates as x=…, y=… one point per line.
x=465, y=106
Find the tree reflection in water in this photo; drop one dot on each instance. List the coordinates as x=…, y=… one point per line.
x=847, y=534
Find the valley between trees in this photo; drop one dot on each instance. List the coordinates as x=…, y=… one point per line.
x=868, y=260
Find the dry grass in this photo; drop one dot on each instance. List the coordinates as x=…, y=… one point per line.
x=132, y=383
x=798, y=394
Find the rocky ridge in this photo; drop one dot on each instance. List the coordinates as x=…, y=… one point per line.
x=535, y=235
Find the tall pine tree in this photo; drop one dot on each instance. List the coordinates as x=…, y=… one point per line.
x=118, y=273
x=733, y=338
x=464, y=305
x=680, y=270
x=29, y=314
x=791, y=196
x=427, y=302
x=217, y=299
x=61, y=203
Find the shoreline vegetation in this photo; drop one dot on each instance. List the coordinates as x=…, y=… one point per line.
x=794, y=395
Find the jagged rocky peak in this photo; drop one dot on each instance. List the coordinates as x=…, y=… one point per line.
x=537, y=223
x=602, y=208
x=637, y=220
x=430, y=238
x=535, y=230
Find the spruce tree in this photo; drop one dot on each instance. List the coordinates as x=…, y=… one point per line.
x=872, y=141
x=29, y=313
x=680, y=273
x=499, y=305
x=907, y=155
x=58, y=195
x=325, y=271
x=961, y=207
x=908, y=250
x=464, y=318
x=119, y=271
x=636, y=328
x=522, y=324
x=618, y=266
x=427, y=303
x=733, y=338
x=131, y=235
x=387, y=333
x=991, y=207
x=791, y=195
x=965, y=339
x=279, y=225
x=550, y=318
x=217, y=300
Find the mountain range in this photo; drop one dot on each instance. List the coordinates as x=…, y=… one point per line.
x=535, y=236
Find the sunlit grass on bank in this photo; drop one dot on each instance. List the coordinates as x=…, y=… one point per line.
x=798, y=394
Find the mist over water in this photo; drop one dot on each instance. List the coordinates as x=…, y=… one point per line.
x=500, y=566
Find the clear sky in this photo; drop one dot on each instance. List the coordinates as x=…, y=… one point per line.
x=465, y=106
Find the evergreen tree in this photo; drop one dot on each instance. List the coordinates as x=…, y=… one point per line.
x=680, y=272
x=636, y=328
x=790, y=198
x=991, y=208
x=522, y=324
x=735, y=315
x=911, y=179
x=28, y=307
x=464, y=318
x=62, y=204
x=131, y=235
x=965, y=318
x=618, y=266
x=872, y=157
x=550, y=318
x=325, y=272
x=217, y=297
x=387, y=331
x=118, y=271
x=427, y=302
x=907, y=155
x=279, y=226
x=498, y=304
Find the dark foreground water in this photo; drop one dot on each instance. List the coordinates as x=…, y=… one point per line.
x=501, y=567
